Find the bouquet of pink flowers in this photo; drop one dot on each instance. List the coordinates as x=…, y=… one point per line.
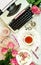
x=10, y=55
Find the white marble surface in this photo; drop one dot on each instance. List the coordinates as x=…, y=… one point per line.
x=36, y=18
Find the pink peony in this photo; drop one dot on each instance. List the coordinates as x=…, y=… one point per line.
x=32, y=63
x=13, y=61
x=4, y=50
x=10, y=45
x=14, y=52
x=35, y=10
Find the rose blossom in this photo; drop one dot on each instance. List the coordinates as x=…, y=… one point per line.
x=4, y=50
x=14, y=52
x=35, y=9
x=13, y=61
x=10, y=45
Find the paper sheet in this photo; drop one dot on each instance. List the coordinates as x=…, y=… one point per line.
x=5, y=3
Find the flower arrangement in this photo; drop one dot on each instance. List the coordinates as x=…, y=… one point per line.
x=36, y=6
x=10, y=55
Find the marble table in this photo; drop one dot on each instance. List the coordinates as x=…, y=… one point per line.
x=36, y=18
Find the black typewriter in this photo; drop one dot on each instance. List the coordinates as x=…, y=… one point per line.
x=21, y=19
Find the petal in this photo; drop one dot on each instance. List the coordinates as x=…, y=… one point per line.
x=35, y=10
x=14, y=52
x=14, y=61
x=4, y=50
x=32, y=63
x=10, y=45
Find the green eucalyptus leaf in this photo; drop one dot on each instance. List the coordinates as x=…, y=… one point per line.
x=38, y=2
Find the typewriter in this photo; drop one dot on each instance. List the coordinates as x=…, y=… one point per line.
x=15, y=14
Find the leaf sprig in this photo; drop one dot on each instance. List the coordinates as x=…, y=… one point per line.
x=6, y=61
x=34, y=2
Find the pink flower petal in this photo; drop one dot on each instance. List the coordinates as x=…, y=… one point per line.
x=4, y=50
x=13, y=61
x=14, y=52
x=10, y=45
x=35, y=10
x=32, y=63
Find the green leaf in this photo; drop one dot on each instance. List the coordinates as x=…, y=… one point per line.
x=6, y=61
x=1, y=62
x=28, y=1
x=31, y=1
x=38, y=2
x=8, y=57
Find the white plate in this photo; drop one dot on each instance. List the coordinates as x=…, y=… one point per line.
x=28, y=60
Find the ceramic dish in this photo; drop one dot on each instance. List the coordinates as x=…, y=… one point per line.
x=24, y=57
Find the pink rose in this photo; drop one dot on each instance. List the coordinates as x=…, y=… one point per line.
x=14, y=52
x=35, y=10
x=32, y=63
x=4, y=50
x=10, y=45
x=13, y=61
